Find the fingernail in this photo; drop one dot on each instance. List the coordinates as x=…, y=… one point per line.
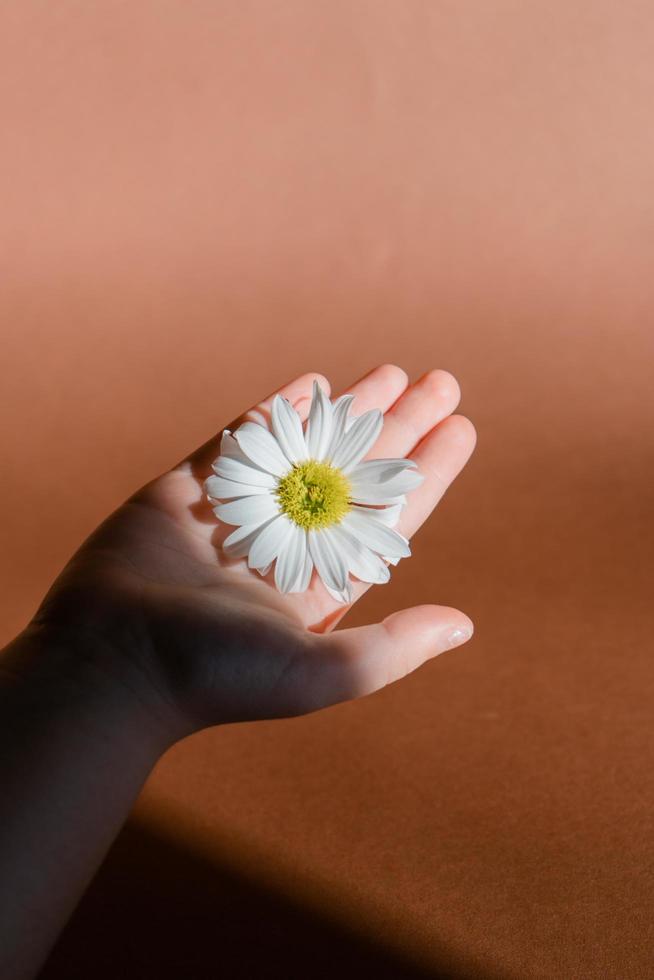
x=459, y=635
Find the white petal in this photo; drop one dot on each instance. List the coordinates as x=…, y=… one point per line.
x=380, y=470
x=238, y=543
x=344, y=596
x=304, y=578
x=375, y=496
x=358, y=441
x=264, y=571
x=329, y=563
x=230, y=448
x=248, y=510
x=262, y=448
x=287, y=428
x=402, y=483
x=364, y=492
x=319, y=425
x=229, y=445
x=376, y=535
x=220, y=489
x=361, y=561
x=387, y=515
x=340, y=414
x=290, y=563
x=242, y=471
x=269, y=543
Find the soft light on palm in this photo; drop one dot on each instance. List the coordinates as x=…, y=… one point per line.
x=228, y=643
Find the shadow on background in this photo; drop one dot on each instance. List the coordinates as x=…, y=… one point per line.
x=156, y=910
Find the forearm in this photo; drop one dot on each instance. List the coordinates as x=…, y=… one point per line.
x=77, y=740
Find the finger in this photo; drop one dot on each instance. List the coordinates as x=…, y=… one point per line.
x=298, y=392
x=422, y=406
x=440, y=457
x=380, y=388
x=353, y=662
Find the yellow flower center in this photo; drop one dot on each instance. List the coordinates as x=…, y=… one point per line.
x=314, y=494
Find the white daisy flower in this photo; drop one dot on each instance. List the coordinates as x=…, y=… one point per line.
x=305, y=500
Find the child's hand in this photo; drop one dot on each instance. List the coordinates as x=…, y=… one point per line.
x=211, y=641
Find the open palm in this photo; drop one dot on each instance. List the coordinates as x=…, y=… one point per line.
x=217, y=641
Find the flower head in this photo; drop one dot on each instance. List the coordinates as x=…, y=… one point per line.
x=304, y=498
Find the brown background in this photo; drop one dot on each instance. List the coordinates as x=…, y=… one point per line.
x=202, y=199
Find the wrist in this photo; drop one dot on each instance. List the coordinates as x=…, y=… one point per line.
x=58, y=673
x=80, y=735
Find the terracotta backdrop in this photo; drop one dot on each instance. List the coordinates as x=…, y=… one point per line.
x=202, y=199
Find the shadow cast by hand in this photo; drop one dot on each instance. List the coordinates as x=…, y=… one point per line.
x=156, y=910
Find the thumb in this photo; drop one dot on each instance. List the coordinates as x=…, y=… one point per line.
x=363, y=659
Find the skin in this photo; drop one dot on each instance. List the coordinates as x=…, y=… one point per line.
x=150, y=634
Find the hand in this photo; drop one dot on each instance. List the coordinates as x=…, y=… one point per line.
x=151, y=595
